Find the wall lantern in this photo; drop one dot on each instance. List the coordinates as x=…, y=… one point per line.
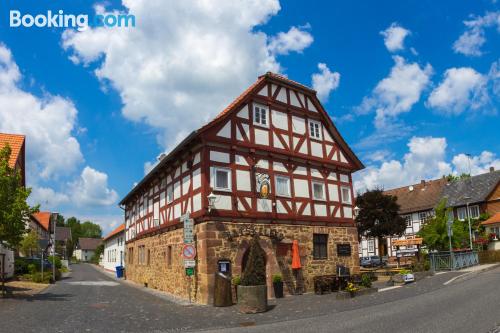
x=356, y=210
x=211, y=201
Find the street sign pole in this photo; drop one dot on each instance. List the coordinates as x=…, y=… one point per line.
x=450, y=234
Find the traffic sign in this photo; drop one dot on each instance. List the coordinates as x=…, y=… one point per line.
x=189, y=271
x=189, y=251
x=189, y=263
x=188, y=224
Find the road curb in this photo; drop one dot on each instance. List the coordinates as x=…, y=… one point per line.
x=468, y=275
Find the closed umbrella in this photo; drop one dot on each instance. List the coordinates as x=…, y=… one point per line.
x=295, y=255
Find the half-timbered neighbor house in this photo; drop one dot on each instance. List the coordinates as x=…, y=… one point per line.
x=272, y=163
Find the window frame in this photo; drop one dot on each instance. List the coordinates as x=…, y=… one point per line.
x=170, y=190
x=316, y=182
x=348, y=188
x=476, y=207
x=409, y=220
x=312, y=132
x=213, y=179
x=261, y=108
x=371, y=244
x=464, y=211
x=289, y=189
x=320, y=245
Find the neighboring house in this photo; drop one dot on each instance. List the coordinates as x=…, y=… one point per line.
x=480, y=194
x=40, y=225
x=417, y=203
x=85, y=248
x=45, y=220
x=272, y=163
x=17, y=161
x=114, y=249
x=63, y=236
x=492, y=226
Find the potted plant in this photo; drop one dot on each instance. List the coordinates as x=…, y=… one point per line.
x=351, y=289
x=252, y=291
x=278, y=285
x=235, y=282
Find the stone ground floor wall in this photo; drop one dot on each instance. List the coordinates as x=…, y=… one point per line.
x=216, y=241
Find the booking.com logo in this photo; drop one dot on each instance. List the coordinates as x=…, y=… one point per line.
x=61, y=20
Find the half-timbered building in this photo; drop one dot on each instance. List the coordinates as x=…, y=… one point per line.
x=271, y=163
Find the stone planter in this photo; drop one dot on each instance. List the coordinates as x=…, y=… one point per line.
x=252, y=299
x=278, y=289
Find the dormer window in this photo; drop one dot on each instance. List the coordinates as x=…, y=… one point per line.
x=315, y=129
x=260, y=115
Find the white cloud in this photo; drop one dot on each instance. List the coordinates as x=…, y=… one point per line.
x=426, y=159
x=47, y=197
x=185, y=60
x=494, y=77
x=48, y=123
x=461, y=89
x=478, y=164
x=325, y=81
x=398, y=92
x=471, y=41
x=394, y=37
x=91, y=189
x=295, y=39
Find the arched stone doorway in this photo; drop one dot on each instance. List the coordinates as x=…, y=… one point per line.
x=271, y=262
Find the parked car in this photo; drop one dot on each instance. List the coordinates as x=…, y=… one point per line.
x=365, y=262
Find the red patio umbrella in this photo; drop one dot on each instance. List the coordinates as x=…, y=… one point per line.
x=295, y=255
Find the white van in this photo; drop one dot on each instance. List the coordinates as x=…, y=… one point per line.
x=7, y=256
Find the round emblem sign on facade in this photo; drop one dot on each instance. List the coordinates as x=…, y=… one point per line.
x=189, y=251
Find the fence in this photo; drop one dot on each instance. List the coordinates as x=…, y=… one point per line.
x=488, y=257
x=454, y=260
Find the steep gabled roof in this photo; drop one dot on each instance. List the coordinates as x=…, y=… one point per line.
x=63, y=233
x=119, y=229
x=89, y=243
x=15, y=142
x=43, y=219
x=233, y=106
x=418, y=197
x=492, y=220
x=471, y=190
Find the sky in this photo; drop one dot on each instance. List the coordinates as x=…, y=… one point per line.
x=413, y=86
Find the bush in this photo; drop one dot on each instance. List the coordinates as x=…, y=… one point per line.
x=57, y=261
x=277, y=278
x=255, y=269
x=21, y=266
x=37, y=277
x=366, y=281
x=32, y=268
x=236, y=280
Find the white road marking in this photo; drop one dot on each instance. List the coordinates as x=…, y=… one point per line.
x=94, y=283
x=389, y=288
x=453, y=279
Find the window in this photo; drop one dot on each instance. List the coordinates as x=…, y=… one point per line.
x=142, y=255
x=168, y=256
x=130, y=255
x=283, y=186
x=260, y=115
x=320, y=245
x=408, y=220
x=170, y=194
x=315, y=129
x=462, y=213
x=371, y=245
x=346, y=194
x=422, y=217
x=221, y=179
x=474, y=212
x=318, y=191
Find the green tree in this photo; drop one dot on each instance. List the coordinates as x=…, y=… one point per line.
x=435, y=231
x=29, y=244
x=90, y=230
x=14, y=210
x=378, y=215
x=97, y=253
x=254, y=273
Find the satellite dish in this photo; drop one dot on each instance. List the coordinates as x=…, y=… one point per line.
x=410, y=188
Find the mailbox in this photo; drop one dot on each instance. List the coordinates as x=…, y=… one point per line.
x=224, y=267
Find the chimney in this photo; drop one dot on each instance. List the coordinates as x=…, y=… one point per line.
x=492, y=169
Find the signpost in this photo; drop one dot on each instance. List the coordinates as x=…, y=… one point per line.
x=189, y=249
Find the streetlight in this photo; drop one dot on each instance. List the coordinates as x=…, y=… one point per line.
x=211, y=201
x=468, y=219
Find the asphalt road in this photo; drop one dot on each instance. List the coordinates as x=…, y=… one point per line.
x=90, y=301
